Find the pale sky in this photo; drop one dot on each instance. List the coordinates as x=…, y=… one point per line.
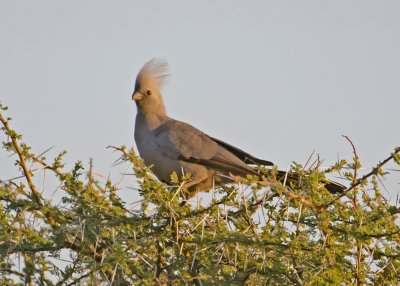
x=278, y=79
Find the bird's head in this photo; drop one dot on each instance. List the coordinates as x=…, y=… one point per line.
x=149, y=82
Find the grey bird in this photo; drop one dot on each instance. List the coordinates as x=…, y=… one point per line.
x=175, y=146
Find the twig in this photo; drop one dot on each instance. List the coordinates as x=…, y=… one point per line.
x=77, y=280
x=308, y=160
x=46, y=166
x=22, y=161
x=355, y=168
x=374, y=171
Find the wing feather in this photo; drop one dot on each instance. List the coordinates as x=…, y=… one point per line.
x=179, y=140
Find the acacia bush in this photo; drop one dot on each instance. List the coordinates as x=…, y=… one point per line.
x=256, y=232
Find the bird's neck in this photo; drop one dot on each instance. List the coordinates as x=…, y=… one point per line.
x=151, y=120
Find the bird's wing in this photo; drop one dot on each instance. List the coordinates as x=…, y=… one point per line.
x=182, y=141
x=242, y=155
x=179, y=140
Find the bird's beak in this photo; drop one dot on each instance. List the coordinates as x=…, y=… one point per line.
x=137, y=96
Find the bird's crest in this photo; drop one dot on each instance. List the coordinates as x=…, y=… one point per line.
x=153, y=73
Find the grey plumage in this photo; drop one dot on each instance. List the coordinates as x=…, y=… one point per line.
x=174, y=146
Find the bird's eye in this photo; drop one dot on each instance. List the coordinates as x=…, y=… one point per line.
x=148, y=92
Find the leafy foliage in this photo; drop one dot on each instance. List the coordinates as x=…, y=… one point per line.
x=256, y=232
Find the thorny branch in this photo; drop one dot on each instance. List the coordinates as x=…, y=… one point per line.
x=375, y=171
x=22, y=162
x=359, y=258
